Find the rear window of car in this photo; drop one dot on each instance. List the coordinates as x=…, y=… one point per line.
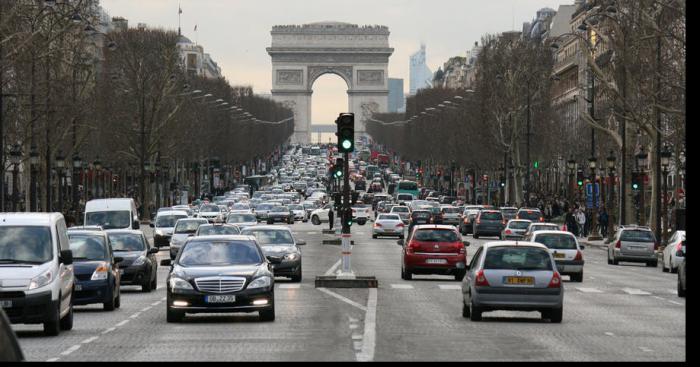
x=388, y=217
x=557, y=241
x=518, y=225
x=421, y=214
x=529, y=214
x=517, y=258
x=398, y=209
x=491, y=216
x=436, y=235
x=637, y=236
x=450, y=210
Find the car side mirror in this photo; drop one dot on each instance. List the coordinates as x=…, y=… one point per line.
x=466, y=243
x=582, y=247
x=152, y=225
x=301, y=243
x=117, y=260
x=399, y=242
x=136, y=225
x=153, y=250
x=66, y=257
x=166, y=262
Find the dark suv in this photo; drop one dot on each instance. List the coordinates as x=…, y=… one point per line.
x=489, y=222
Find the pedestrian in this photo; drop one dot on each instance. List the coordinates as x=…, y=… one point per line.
x=331, y=218
x=603, y=222
x=570, y=221
x=581, y=221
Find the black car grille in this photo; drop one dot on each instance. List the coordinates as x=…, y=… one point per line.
x=220, y=284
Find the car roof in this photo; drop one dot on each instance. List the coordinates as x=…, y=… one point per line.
x=29, y=219
x=172, y=212
x=87, y=231
x=536, y=233
x=124, y=231
x=488, y=245
x=519, y=220
x=277, y=228
x=435, y=226
x=228, y=237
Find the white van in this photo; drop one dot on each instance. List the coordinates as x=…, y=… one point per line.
x=36, y=271
x=112, y=214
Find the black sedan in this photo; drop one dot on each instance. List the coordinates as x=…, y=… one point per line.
x=95, y=268
x=220, y=274
x=280, y=214
x=139, y=265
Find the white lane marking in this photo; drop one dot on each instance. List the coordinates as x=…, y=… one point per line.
x=369, y=338
x=591, y=278
x=401, y=286
x=675, y=303
x=673, y=292
x=354, y=326
x=356, y=337
x=122, y=323
x=635, y=292
x=589, y=290
x=609, y=333
x=332, y=269
x=145, y=309
x=109, y=330
x=310, y=233
x=450, y=286
x=290, y=286
x=89, y=340
x=645, y=349
x=346, y=300
x=164, y=298
x=357, y=345
x=352, y=319
x=70, y=350
x=155, y=303
x=52, y=359
x=135, y=315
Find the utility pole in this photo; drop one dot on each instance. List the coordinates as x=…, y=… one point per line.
x=346, y=144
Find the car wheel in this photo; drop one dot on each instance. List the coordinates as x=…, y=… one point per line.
x=459, y=276
x=653, y=264
x=681, y=291
x=578, y=278
x=111, y=304
x=476, y=236
x=67, y=321
x=406, y=275
x=269, y=314
x=270, y=222
x=474, y=312
x=315, y=221
x=663, y=267
x=174, y=316
x=554, y=315
x=118, y=301
x=374, y=236
x=296, y=278
x=52, y=328
x=154, y=283
x=465, y=310
x=401, y=237
x=146, y=287
x=615, y=261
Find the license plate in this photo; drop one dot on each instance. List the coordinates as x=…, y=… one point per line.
x=78, y=287
x=5, y=303
x=220, y=299
x=559, y=256
x=436, y=261
x=520, y=280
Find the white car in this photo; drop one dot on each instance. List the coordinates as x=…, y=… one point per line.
x=670, y=259
x=210, y=212
x=299, y=212
x=388, y=225
x=565, y=250
x=360, y=214
x=319, y=216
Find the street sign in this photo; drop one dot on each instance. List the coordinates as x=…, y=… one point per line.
x=591, y=195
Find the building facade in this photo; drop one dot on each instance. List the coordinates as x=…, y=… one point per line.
x=397, y=101
x=421, y=76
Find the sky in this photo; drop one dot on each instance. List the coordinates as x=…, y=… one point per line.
x=236, y=32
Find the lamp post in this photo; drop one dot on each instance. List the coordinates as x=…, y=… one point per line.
x=15, y=159
x=33, y=172
x=571, y=165
x=594, y=236
x=642, y=159
x=98, y=167
x=611, y=191
x=60, y=164
x=77, y=165
x=665, y=161
x=158, y=174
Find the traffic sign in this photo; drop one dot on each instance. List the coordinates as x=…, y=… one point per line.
x=591, y=195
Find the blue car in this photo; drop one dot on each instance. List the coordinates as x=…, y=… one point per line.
x=96, y=271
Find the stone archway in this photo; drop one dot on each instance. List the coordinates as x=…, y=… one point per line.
x=359, y=55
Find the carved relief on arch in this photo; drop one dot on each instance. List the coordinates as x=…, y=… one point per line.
x=344, y=72
x=368, y=109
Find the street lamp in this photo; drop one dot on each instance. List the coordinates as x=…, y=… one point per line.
x=665, y=161
x=60, y=164
x=642, y=160
x=98, y=167
x=77, y=165
x=15, y=159
x=33, y=171
x=571, y=165
x=611, y=189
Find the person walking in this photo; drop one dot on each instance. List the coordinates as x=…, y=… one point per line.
x=603, y=222
x=331, y=219
x=570, y=220
x=581, y=221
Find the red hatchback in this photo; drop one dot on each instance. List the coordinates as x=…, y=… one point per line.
x=434, y=249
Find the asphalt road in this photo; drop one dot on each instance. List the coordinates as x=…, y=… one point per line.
x=619, y=313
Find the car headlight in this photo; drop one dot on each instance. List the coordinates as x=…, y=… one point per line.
x=140, y=261
x=101, y=273
x=160, y=232
x=291, y=257
x=262, y=282
x=179, y=284
x=41, y=280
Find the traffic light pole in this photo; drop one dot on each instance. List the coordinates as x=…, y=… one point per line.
x=346, y=217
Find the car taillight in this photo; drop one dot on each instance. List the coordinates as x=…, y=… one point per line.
x=542, y=219
x=618, y=244
x=377, y=224
x=579, y=256
x=679, y=246
x=412, y=247
x=400, y=224
x=481, y=279
x=466, y=220
x=556, y=281
x=508, y=231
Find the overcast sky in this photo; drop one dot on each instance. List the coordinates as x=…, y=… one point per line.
x=236, y=32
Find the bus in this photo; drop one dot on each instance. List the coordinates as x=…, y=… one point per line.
x=408, y=187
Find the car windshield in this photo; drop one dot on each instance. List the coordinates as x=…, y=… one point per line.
x=126, y=242
x=517, y=258
x=637, y=236
x=209, y=208
x=408, y=186
x=218, y=230
x=518, y=225
x=399, y=209
x=388, y=217
x=436, y=235
x=295, y=207
x=25, y=244
x=109, y=219
x=509, y=211
x=491, y=216
x=450, y=210
x=168, y=220
x=219, y=253
x=241, y=218
x=270, y=236
x=280, y=209
x=530, y=214
x=88, y=247
x=557, y=241
x=188, y=226
x=263, y=207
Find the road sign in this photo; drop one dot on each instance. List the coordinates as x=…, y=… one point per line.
x=591, y=195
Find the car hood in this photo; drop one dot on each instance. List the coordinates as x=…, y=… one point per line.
x=190, y=273
x=180, y=237
x=276, y=250
x=165, y=230
x=19, y=275
x=86, y=267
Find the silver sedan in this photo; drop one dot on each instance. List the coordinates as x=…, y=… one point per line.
x=511, y=275
x=388, y=225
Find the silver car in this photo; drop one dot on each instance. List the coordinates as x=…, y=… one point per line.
x=671, y=258
x=515, y=229
x=450, y=214
x=510, y=275
x=633, y=244
x=565, y=249
x=184, y=228
x=388, y=225
x=242, y=220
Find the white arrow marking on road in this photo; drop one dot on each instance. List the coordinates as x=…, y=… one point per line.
x=401, y=286
x=135, y=315
x=344, y=299
x=89, y=340
x=357, y=345
x=590, y=290
x=70, y=350
x=332, y=269
x=354, y=326
x=609, y=333
x=635, y=292
x=645, y=349
x=450, y=286
x=356, y=337
x=290, y=286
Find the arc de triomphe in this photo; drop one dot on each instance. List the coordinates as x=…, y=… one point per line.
x=302, y=53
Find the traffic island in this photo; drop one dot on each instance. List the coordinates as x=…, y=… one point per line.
x=336, y=242
x=333, y=281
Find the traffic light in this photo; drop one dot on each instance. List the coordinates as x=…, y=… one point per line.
x=635, y=181
x=338, y=168
x=346, y=132
x=537, y=164
x=503, y=181
x=579, y=178
x=337, y=201
x=347, y=217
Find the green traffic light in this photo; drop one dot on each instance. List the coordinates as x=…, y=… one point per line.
x=580, y=183
x=635, y=186
x=347, y=144
x=537, y=164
